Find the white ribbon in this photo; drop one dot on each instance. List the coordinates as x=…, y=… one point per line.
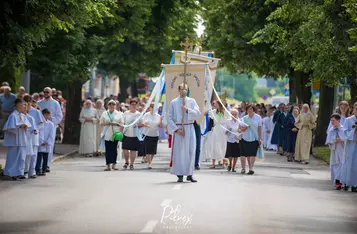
x=153, y=94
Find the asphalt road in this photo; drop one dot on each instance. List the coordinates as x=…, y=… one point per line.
x=79, y=197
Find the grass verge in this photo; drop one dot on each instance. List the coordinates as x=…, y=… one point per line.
x=322, y=153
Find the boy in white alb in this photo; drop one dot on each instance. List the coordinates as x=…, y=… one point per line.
x=349, y=165
x=47, y=141
x=38, y=121
x=335, y=140
x=16, y=140
x=31, y=152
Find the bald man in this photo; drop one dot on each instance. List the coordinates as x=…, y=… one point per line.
x=56, y=114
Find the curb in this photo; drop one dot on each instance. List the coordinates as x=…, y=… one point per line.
x=59, y=158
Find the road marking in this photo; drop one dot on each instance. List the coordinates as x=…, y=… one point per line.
x=149, y=227
x=166, y=202
x=176, y=187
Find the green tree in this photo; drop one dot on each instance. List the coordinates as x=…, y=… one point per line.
x=230, y=29
x=128, y=39
x=27, y=24
x=157, y=32
x=318, y=44
x=64, y=58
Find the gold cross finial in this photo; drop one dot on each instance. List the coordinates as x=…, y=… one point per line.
x=186, y=44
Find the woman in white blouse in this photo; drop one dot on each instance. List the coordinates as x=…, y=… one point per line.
x=111, y=121
x=88, y=137
x=151, y=123
x=251, y=138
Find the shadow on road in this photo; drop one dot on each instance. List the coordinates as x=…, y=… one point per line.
x=23, y=226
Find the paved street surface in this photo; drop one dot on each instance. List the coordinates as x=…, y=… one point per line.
x=79, y=197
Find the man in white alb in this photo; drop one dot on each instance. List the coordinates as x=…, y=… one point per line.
x=184, y=137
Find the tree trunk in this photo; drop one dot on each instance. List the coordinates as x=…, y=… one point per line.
x=73, y=109
x=134, y=89
x=303, y=92
x=325, y=109
x=297, y=85
x=353, y=87
x=306, y=90
x=124, y=85
x=292, y=89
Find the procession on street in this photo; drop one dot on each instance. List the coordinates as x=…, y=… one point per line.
x=132, y=129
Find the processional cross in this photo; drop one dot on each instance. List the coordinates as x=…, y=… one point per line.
x=186, y=44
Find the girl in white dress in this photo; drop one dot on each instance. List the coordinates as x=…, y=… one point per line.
x=216, y=143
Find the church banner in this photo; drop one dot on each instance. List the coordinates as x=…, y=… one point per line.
x=200, y=58
x=195, y=78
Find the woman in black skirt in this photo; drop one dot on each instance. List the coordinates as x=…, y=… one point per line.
x=233, y=150
x=152, y=122
x=251, y=138
x=130, y=144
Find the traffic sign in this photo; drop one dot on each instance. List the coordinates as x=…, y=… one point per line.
x=286, y=92
x=272, y=92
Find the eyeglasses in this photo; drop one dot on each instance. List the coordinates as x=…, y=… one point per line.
x=46, y=92
x=111, y=104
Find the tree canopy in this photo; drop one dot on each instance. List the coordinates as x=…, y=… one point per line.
x=59, y=41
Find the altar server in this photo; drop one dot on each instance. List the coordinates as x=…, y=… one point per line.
x=15, y=139
x=184, y=137
x=38, y=123
x=32, y=143
x=335, y=141
x=56, y=115
x=47, y=140
x=349, y=167
x=344, y=111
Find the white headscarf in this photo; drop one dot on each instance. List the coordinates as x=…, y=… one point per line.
x=101, y=110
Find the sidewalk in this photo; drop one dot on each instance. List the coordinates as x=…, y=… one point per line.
x=60, y=150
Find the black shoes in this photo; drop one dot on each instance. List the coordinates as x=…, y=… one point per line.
x=251, y=172
x=190, y=178
x=180, y=179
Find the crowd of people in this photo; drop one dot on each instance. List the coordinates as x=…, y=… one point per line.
x=288, y=130
x=29, y=125
x=233, y=131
